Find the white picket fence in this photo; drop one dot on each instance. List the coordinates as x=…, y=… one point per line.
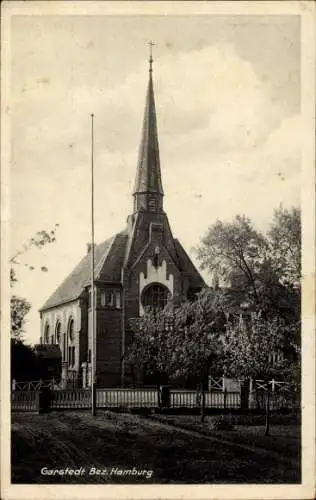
x=141, y=398
x=24, y=400
x=71, y=399
x=130, y=398
x=123, y=398
x=192, y=399
x=25, y=396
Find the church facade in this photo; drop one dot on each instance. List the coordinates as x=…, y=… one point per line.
x=144, y=265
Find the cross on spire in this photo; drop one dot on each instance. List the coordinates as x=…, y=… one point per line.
x=151, y=44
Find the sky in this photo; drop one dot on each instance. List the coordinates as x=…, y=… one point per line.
x=227, y=92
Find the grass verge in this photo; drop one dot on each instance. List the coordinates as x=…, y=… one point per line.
x=283, y=439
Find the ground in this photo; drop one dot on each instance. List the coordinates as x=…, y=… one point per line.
x=194, y=454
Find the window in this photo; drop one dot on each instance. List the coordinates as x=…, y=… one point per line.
x=71, y=355
x=152, y=205
x=118, y=299
x=52, y=339
x=156, y=257
x=71, y=326
x=110, y=298
x=155, y=296
x=46, y=334
x=58, y=332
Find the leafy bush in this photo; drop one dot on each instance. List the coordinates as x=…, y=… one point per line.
x=110, y=415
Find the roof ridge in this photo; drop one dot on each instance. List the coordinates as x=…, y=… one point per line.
x=73, y=285
x=102, y=260
x=179, y=246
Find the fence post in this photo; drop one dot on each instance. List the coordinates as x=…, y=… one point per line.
x=13, y=384
x=37, y=401
x=94, y=388
x=267, y=416
x=44, y=400
x=165, y=396
x=272, y=385
x=159, y=397
x=253, y=393
x=84, y=367
x=244, y=394
x=225, y=398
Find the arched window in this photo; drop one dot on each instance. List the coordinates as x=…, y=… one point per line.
x=58, y=332
x=46, y=334
x=155, y=296
x=71, y=329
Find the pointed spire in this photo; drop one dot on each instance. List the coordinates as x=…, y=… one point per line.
x=148, y=177
x=151, y=44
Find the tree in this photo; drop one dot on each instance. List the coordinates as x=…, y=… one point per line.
x=256, y=348
x=23, y=362
x=20, y=306
x=179, y=342
x=284, y=237
x=19, y=309
x=281, y=273
x=147, y=347
x=39, y=240
x=263, y=277
x=248, y=345
x=260, y=270
x=234, y=252
x=197, y=328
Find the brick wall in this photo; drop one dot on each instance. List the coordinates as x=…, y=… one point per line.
x=108, y=349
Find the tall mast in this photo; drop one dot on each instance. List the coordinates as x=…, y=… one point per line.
x=93, y=343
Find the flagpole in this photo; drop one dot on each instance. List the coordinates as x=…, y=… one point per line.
x=93, y=346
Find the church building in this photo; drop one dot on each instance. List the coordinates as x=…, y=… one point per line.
x=144, y=265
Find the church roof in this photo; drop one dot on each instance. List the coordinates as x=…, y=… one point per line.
x=109, y=259
x=148, y=176
x=187, y=266
x=108, y=256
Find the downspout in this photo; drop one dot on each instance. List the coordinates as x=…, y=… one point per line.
x=123, y=331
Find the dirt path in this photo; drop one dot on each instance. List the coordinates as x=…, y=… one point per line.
x=174, y=454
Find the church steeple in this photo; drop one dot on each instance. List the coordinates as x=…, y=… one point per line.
x=148, y=192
